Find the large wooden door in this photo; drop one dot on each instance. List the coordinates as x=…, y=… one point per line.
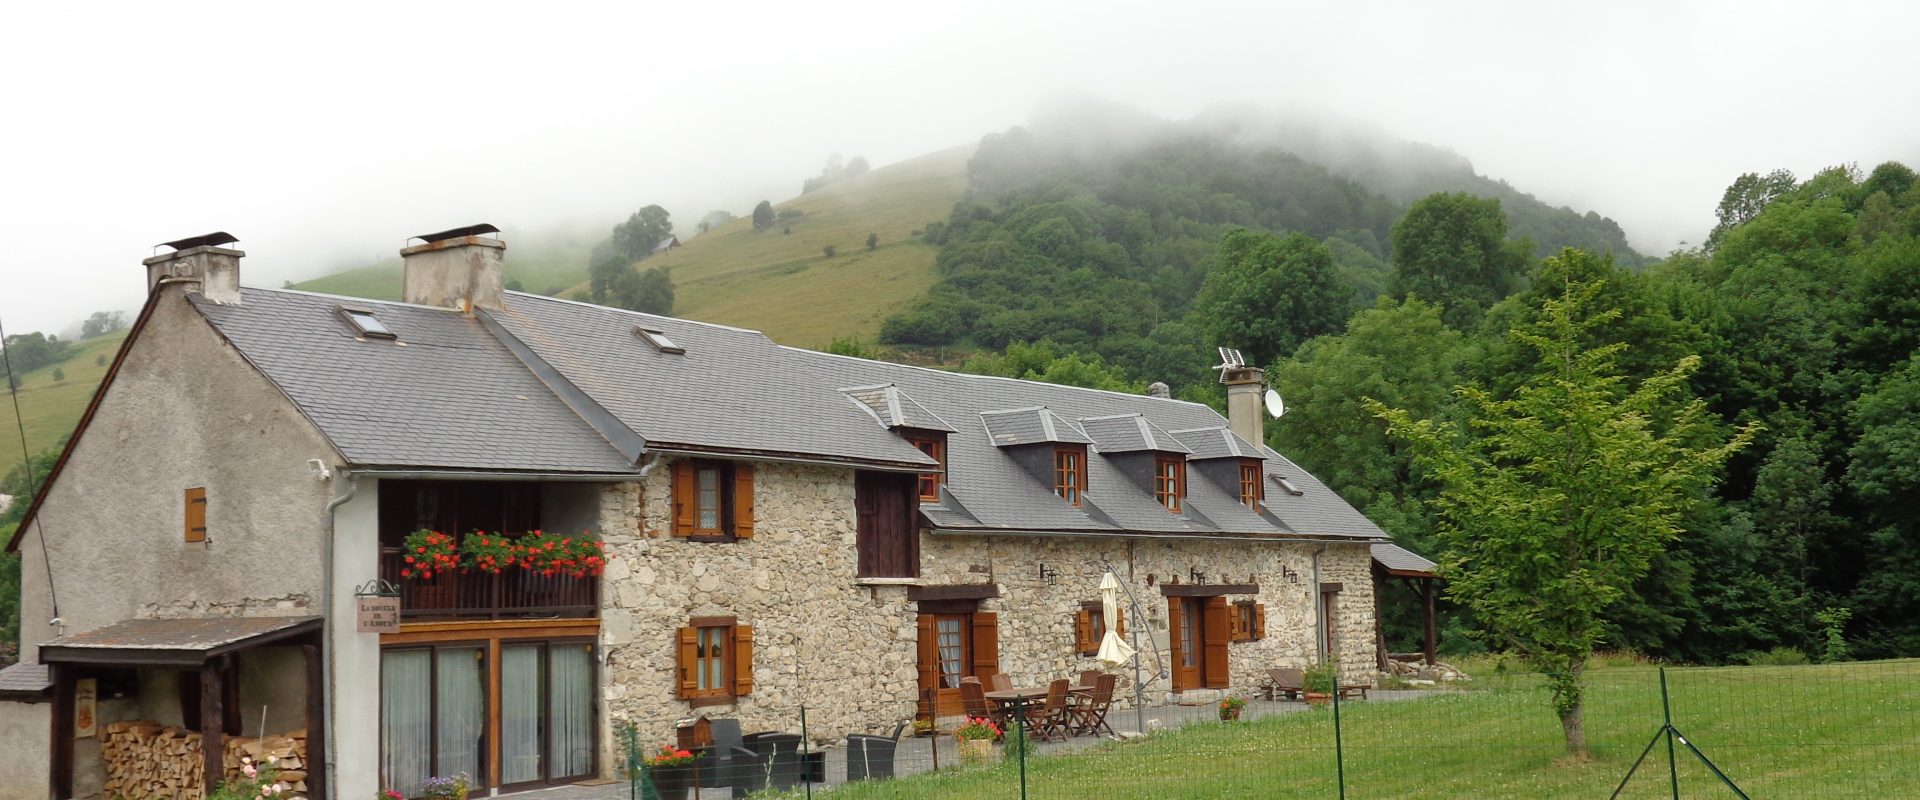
x=946, y=656
x=1188, y=650
x=886, y=536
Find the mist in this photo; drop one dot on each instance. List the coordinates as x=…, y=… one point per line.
x=324, y=138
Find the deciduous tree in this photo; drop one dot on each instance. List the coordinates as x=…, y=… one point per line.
x=1268, y=293
x=1555, y=500
x=1452, y=249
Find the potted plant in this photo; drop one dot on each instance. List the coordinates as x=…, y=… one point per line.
x=671, y=770
x=1320, y=681
x=451, y=787
x=976, y=740
x=923, y=727
x=429, y=553
x=1230, y=707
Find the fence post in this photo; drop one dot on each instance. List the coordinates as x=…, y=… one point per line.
x=1020, y=724
x=1339, y=755
x=806, y=750
x=1666, y=715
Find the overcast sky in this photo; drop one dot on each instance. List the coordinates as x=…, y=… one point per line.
x=325, y=137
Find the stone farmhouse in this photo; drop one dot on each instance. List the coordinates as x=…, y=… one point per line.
x=784, y=527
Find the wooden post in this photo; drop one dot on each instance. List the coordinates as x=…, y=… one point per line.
x=1428, y=587
x=60, y=745
x=316, y=762
x=1379, y=635
x=212, y=719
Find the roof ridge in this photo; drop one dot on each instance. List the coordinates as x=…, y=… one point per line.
x=975, y=375
x=642, y=314
x=331, y=296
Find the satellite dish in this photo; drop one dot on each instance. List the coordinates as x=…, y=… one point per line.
x=1275, y=406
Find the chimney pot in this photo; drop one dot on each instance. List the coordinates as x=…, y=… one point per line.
x=458, y=269
x=200, y=262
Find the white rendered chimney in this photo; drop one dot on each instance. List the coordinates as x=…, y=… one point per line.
x=1246, y=387
x=455, y=269
x=201, y=263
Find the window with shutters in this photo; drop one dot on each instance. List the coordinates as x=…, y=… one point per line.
x=1070, y=474
x=715, y=661
x=1090, y=626
x=1169, y=482
x=712, y=500
x=886, y=525
x=935, y=446
x=1249, y=621
x=1251, y=491
x=196, y=522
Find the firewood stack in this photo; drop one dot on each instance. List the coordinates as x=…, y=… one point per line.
x=147, y=760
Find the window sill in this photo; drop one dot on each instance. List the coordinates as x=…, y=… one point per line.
x=877, y=581
x=709, y=702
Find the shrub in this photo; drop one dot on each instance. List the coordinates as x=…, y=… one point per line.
x=829, y=251
x=59, y=374
x=1777, y=657
x=873, y=240
x=1833, y=623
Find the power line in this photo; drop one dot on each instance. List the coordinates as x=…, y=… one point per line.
x=26, y=461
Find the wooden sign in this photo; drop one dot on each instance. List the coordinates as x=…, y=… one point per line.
x=377, y=614
x=85, y=693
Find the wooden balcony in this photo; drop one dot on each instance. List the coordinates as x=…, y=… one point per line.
x=475, y=595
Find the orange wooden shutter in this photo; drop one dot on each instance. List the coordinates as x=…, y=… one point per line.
x=1083, y=632
x=1119, y=620
x=743, y=501
x=742, y=659
x=1234, y=631
x=684, y=476
x=196, y=523
x=687, y=659
x=1173, y=641
x=1259, y=620
x=929, y=654
x=1215, y=627
x=986, y=644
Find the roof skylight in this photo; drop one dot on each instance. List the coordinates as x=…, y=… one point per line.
x=366, y=324
x=659, y=340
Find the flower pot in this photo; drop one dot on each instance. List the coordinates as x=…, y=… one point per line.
x=1229, y=714
x=978, y=751
x=671, y=783
x=1319, y=698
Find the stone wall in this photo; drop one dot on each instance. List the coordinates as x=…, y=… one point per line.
x=848, y=649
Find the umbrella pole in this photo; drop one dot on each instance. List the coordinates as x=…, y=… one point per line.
x=1139, y=706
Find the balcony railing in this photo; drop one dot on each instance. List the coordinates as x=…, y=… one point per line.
x=512, y=594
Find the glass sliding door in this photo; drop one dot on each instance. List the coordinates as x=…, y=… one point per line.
x=521, y=680
x=433, y=715
x=570, y=698
x=406, y=719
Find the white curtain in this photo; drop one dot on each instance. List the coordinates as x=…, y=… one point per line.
x=571, y=685
x=463, y=711
x=406, y=744
x=519, y=713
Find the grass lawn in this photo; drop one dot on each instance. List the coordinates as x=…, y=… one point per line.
x=51, y=408
x=1838, y=731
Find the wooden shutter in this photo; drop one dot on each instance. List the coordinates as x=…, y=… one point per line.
x=986, y=644
x=742, y=660
x=743, y=501
x=1173, y=643
x=684, y=476
x=929, y=654
x=1259, y=621
x=1119, y=621
x=196, y=524
x=1216, y=630
x=1083, y=632
x=686, y=660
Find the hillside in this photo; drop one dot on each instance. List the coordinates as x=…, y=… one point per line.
x=51, y=408
x=546, y=261
x=779, y=281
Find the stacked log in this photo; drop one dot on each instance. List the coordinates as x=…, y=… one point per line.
x=144, y=759
x=147, y=760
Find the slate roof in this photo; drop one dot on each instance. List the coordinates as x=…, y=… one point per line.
x=550, y=385
x=1399, y=559
x=444, y=393
x=1130, y=433
x=173, y=640
x=25, y=679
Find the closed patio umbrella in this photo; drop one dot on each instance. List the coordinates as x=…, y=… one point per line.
x=1114, y=651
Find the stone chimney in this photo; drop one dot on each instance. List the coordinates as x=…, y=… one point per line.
x=1246, y=389
x=1160, y=390
x=455, y=269
x=202, y=264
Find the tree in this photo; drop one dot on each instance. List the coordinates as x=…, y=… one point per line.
x=59, y=375
x=1039, y=362
x=1267, y=293
x=1555, y=500
x=873, y=241
x=650, y=292
x=636, y=238
x=1452, y=249
x=29, y=351
x=102, y=323
x=856, y=166
x=829, y=251
x=715, y=218
x=1745, y=199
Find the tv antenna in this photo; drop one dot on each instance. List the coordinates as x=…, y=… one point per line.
x=1275, y=406
x=1230, y=360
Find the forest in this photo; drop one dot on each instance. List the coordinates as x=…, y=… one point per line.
x=1117, y=263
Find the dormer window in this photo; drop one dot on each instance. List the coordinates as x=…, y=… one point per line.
x=1251, y=490
x=365, y=324
x=1070, y=474
x=1169, y=481
x=935, y=447
x=657, y=340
